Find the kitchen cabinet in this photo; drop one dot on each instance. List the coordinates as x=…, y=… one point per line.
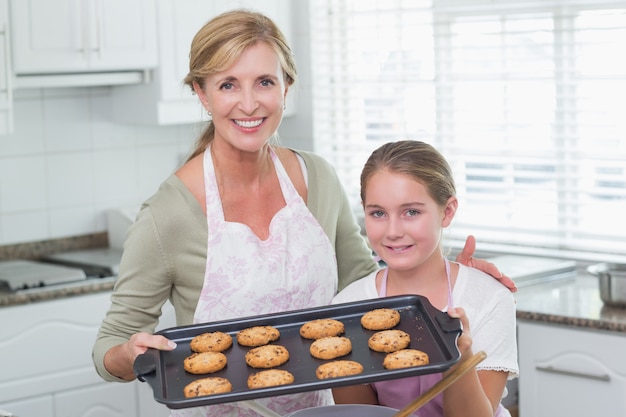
x=40, y=407
x=73, y=36
x=167, y=100
x=46, y=363
x=6, y=89
x=573, y=372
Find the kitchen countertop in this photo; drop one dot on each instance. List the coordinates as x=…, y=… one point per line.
x=88, y=286
x=571, y=302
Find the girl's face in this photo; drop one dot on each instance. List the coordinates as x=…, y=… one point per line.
x=246, y=100
x=402, y=221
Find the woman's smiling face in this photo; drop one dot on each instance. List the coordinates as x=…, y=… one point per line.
x=247, y=100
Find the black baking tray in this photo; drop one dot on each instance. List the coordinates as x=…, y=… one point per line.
x=431, y=330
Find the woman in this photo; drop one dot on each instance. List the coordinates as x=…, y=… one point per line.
x=244, y=227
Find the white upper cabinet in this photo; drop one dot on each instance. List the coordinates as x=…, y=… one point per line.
x=167, y=100
x=69, y=36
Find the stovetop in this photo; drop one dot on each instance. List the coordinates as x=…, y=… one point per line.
x=97, y=263
x=25, y=274
x=59, y=268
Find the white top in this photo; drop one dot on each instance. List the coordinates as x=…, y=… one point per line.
x=483, y=298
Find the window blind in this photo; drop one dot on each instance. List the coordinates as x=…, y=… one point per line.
x=526, y=99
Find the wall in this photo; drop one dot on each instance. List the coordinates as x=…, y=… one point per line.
x=68, y=162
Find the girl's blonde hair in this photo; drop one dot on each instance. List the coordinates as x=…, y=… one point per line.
x=416, y=159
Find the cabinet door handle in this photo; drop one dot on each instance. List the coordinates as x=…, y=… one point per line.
x=553, y=370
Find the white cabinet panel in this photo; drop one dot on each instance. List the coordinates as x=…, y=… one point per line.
x=571, y=372
x=6, y=95
x=148, y=406
x=178, y=22
x=39, y=407
x=103, y=400
x=49, y=343
x=61, y=36
x=46, y=368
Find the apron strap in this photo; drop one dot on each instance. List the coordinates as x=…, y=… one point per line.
x=383, y=283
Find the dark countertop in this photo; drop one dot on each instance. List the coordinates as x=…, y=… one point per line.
x=88, y=286
x=571, y=302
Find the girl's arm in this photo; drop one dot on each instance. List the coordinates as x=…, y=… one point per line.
x=477, y=393
x=355, y=394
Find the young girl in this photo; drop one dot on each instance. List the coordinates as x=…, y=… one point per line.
x=408, y=194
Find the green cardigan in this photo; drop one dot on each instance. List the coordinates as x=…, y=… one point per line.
x=165, y=255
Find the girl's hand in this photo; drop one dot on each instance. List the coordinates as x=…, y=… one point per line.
x=465, y=258
x=464, y=342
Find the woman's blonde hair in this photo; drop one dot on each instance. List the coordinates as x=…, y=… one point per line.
x=222, y=40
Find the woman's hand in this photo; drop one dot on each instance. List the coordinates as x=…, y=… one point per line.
x=119, y=359
x=465, y=258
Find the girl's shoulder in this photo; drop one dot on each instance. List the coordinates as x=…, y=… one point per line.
x=476, y=278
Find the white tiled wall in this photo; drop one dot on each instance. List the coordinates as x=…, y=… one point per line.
x=68, y=162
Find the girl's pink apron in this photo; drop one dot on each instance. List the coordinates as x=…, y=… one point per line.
x=397, y=393
x=294, y=268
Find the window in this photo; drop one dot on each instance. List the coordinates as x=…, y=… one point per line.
x=526, y=99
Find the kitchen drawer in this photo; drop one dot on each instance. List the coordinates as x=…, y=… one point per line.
x=46, y=346
x=570, y=371
x=46, y=368
x=104, y=399
x=40, y=407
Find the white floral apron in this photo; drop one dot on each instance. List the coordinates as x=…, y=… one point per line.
x=294, y=268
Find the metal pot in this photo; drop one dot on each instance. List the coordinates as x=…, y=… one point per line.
x=612, y=283
x=345, y=410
